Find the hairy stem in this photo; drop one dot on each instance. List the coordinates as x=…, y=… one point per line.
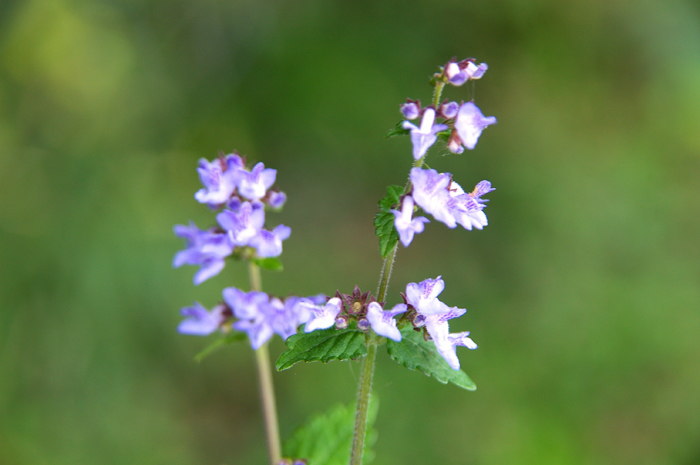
x=364, y=389
x=437, y=92
x=267, y=389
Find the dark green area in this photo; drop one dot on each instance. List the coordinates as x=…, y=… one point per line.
x=327, y=438
x=323, y=345
x=583, y=292
x=415, y=353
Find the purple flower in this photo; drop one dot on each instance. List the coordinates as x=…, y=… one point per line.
x=425, y=136
x=269, y=243
x=383, y=322
x=208, y=249
x=468, y=208
x=439, y=195
x=423, y=296
x=283, y=319
x=219, y=179
x=406, y=226
x=459, y=73
x=470, y=123
x=245, y=305
x=244, y=222
x=430, y=192
x=323, y=316
x=259, y=332
x=254, y=184
x=200, y=321
x=302, y=307
x=434, y=315
x=261, y=316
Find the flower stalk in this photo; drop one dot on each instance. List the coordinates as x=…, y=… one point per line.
x=364, y=386
x=267, y=389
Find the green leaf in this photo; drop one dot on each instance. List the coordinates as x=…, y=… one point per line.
x=326, y=439
x=391, y=199
x=230, y=338
x=323, y=345
x=384, y=220
x=415, y=353
x=397, y=130
x=386, y=232
x=271, y=263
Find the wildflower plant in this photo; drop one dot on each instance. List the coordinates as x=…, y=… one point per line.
x=414, y=329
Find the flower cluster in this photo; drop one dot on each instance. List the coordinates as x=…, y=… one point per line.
x=425, y=310
x=242, y=196
x=437, y=193
x=359, y=307
x=260, y=315
x=440, y=196
x=465, y=119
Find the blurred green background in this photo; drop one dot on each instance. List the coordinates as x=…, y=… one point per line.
x=584, y=290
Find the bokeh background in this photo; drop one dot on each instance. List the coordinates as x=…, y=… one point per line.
x=583, y=292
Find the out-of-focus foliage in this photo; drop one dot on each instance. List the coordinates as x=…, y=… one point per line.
x=583, y=292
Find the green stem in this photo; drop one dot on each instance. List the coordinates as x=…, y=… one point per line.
x=267, y=390
x=364, y=386
x=437, y=92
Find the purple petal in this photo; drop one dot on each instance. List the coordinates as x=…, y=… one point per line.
x=405, y=225
x=430, y=192
x=245, y=305
x=208, y=269
x=383, y=322
x=243, y=223
x=199, y=321
x=254, y=184
x=323, y=316
x=470, y=123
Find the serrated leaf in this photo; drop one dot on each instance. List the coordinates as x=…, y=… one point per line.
x=391, y=199
x=271, y=263
x=384, y=220
x=218, y=344
x=386, y=232
x=326, y=439
x=416, y=353
x=323, y=346
x=397, y=130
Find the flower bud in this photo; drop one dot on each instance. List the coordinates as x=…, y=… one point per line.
x=449, y=110
x=363, y=324
x=454, y=74
x=276, y=199
x=410, y=110
x=341, y=322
